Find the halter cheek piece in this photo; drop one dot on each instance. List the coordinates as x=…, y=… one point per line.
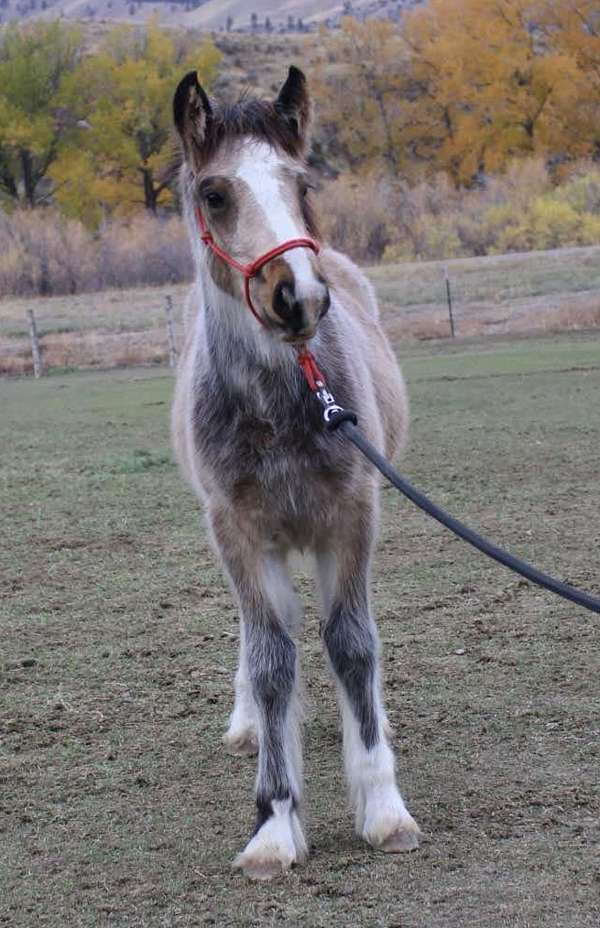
x=251, y=270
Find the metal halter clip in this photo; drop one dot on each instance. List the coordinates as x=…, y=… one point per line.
x=333, y=413
x=327, y=401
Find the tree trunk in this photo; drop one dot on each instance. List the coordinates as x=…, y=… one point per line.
x=28, y=177
x=150, y=194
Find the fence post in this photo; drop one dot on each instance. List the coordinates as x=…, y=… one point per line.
x=38, y=367
x=171, y=332
x=449, y=298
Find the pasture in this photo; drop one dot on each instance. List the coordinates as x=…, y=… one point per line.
x=119, y=806
x=545, y=291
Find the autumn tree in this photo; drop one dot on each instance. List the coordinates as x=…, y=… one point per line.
x=463, y=86
x=489, y=87
x=121, y=97
x=34, y=60
x=572, y=29
x=361, y=88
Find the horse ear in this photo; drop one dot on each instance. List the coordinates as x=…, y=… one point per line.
x=192, y=111
x=293, y=103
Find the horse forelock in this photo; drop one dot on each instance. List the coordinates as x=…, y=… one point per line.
x=247, y=117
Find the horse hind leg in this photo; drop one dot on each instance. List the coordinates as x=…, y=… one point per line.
x=351, y=641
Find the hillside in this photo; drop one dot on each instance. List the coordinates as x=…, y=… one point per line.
x=263, y=16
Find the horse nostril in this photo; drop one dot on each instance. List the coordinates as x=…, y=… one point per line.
x=299, y=315
x=288, y=308
x=284, y=300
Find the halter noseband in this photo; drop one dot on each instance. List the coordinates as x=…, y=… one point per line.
x=251, y=270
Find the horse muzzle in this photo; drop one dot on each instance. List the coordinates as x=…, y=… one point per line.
x=299, y=314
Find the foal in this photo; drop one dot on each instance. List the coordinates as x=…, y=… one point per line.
x=249, y=438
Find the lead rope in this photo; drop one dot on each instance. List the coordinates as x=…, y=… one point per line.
x=336, y=417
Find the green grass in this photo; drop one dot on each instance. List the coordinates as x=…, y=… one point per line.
x=498, y=357
x=119, y=806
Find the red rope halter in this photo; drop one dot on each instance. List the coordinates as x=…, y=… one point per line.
x=251, y=270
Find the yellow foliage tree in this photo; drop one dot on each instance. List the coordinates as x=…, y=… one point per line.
x=33, y=62
x=122, y=97
x=490, y=87
x=464, y=86
x=572, y=29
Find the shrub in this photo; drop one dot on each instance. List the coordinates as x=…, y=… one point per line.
x=518, y=211
x=356, y=218
x=144, y=250
x=372, y=218
x=549, y=223
x=45, y=253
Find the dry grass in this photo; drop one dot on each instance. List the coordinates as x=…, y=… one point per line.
x=535, y=292
x=571, y=311
x=117, y=328
x=72, y=350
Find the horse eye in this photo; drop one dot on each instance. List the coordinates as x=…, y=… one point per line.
x=215, y=200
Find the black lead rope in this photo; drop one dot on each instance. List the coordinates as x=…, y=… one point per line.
x=344, y=420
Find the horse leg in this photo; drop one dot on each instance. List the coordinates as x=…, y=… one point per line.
x=351, y=640
x=263, y=587
x=241, y=736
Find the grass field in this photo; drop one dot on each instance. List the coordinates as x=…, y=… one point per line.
x=540, y=291
x=119, y=806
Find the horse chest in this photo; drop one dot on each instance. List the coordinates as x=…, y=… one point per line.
x=266, y=450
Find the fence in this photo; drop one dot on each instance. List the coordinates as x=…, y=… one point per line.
x=112, y=329
x=500, y=295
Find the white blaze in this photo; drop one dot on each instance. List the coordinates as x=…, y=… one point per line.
x=259, y=169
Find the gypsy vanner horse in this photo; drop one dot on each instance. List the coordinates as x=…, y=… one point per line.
x=250, y=439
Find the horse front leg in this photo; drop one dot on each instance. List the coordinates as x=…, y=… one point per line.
x=270, y=661
x=351, y=640
x=241, y=737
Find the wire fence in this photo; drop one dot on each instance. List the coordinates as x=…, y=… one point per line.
x=504, y=294
x=541, y=291
x=121, y=328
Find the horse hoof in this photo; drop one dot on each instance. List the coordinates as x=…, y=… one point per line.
x=265, y=868
x=276, y=847
x=405, y=838
x=242, y=743
x=395, y=837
